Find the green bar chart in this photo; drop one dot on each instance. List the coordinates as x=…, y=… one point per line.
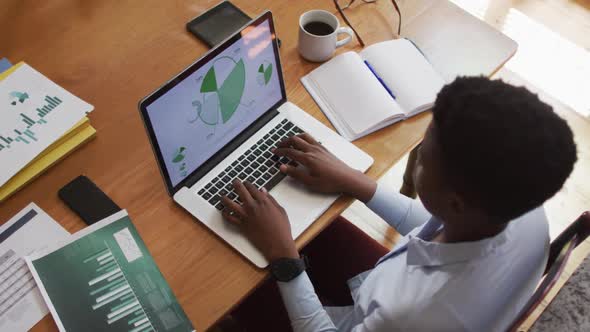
x=27, y=134
x=108, y=281
x=52, y=103
x=27, y=120
x=113, y=295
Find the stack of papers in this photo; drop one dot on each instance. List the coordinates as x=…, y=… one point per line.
x=40, y=124
x=30, y=231
x=103, y=278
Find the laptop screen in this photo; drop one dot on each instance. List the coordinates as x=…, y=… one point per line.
x=205, y=110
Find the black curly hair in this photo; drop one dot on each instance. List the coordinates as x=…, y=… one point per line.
x=503, y=149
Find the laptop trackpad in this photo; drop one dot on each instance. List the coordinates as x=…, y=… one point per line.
x=303, y=206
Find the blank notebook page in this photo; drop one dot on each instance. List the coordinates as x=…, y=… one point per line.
x=406, y=73
x=356, y=95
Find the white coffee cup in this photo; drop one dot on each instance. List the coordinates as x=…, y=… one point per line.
x=318, y=48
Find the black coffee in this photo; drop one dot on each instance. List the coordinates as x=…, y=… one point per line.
x=318, y=28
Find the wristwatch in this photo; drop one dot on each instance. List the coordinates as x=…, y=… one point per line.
x=286, y=269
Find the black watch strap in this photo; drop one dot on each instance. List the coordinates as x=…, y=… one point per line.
x=287, y=269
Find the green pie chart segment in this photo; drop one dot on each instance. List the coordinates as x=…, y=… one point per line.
x=231, y=90
x=267, y=74
x=264, y=73
x=210, y=81
x=223, y=99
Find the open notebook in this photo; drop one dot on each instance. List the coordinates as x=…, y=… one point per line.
x=363, y=92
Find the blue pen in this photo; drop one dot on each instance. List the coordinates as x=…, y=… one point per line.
x=380, y=80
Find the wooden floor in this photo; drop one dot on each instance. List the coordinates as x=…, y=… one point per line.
x=553, y=60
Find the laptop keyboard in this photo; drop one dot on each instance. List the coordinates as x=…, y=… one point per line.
x=258, y=165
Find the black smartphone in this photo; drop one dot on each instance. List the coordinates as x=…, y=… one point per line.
x=218, y=23
x=87, y=200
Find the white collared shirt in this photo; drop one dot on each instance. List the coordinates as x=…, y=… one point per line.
x=428, y=286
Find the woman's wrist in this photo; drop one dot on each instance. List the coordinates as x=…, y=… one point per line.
x=361, y=186
x=287, y=251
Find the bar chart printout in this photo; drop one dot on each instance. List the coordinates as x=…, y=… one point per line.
x=34, y=113
x=25, y=134
x=113, y=283
x=111, y=290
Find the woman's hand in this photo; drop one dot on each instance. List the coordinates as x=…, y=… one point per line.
x=322, y=171
x=262, y=220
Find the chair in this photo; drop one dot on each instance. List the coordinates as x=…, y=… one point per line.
x=559, y=253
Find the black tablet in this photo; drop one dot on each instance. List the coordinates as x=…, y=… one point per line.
x=218, y=23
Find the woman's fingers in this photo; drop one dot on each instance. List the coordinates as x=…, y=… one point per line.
x=291, y=153
x=296, y=173
x=254, y=192
x=295, y=142
x=244, y=194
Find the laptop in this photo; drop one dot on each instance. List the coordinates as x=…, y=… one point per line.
x=219, y=119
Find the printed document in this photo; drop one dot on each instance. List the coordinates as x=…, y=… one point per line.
x=34, y=113
x=21, y=303
x=104, y=279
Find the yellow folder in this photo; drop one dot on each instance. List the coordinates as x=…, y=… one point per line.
x=10, y=70
x=80, y=133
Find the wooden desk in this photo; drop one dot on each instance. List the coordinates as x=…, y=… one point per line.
x=111, y=54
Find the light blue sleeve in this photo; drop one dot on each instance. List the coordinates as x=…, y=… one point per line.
x=399, y=211
x=303, y=306
x=302, y=303
x=308, y=315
